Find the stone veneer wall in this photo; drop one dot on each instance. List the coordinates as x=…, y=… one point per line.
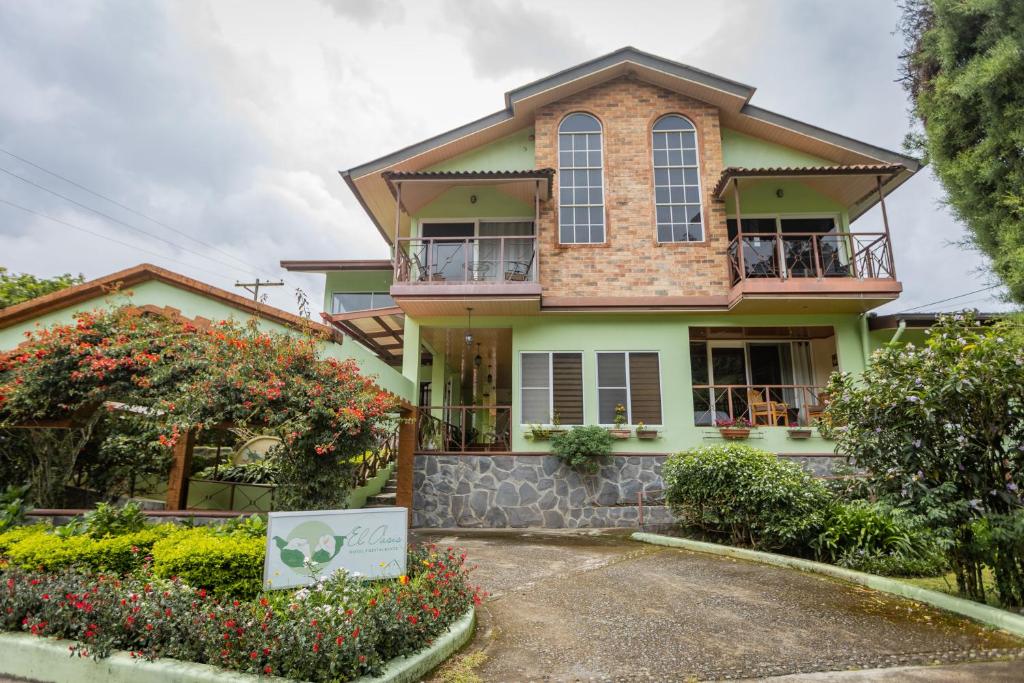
x=497, y=491
x=532, y=491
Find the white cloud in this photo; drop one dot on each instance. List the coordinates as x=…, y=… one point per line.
x=229, y=119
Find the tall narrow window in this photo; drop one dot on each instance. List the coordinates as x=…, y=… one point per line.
x=580, y=180
x=677, y=180
x=631, y=379
x=552, y=384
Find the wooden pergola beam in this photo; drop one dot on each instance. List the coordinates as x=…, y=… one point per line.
x=181, y=465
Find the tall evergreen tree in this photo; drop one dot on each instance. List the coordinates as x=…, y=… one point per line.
x=964, y=69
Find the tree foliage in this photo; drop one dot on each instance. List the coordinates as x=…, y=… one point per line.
x=182, y=377
x=18, y=287
x=940, y=429
x=963, y=67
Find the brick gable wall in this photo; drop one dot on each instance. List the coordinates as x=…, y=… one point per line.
x=631, y=262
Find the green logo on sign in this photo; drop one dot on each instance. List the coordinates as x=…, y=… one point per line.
x=312, y=541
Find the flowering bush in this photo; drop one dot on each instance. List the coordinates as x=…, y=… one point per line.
x=339, y=629
x=192, y=378
x=940, y=430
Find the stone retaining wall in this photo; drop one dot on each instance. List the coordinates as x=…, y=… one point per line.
x=497, y=491
x=532, y=491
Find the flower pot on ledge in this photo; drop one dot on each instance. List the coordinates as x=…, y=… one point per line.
x=800, y=433
x=620, y=433
x=734, y=433
x=647, y=434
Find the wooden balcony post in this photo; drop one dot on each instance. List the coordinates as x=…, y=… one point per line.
x=406, y=457
x=739, y=227
x=885, y=222
x=181, y=464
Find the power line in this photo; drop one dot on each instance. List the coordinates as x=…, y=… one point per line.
x=942, y=301
x=120, y=222
x=123, y=206
x=111, y=239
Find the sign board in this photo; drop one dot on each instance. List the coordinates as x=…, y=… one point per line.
x=300, y=545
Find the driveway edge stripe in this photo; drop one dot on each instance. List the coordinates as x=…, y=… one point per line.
x=990, y=616
x=42, y=659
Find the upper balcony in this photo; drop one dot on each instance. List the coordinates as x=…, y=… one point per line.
x=489, y=262
x=777, y=254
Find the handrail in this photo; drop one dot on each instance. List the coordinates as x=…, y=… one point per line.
x=811, y=254
x=794, y=404
x=459, y=259
x=465, y=428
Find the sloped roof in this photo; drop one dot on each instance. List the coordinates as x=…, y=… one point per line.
x=731, y=97
x=144, y=272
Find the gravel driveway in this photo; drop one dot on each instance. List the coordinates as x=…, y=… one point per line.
x=596, y=606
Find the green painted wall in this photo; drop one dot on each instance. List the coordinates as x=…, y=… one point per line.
x=514, y=152
x=667, y=334
x=355, y=281
x=192, y=305
x=739, y=149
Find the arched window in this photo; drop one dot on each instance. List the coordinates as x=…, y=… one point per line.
x=580, y=180
x=677, y=180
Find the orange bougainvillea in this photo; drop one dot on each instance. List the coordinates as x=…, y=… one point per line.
x=188, y=377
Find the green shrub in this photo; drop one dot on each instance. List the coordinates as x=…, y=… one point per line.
x=750, y=495
x=231, y=565
x=12, y=536
x=110, y=520
x=880, y=539
x=120, y=554
x=583, y=447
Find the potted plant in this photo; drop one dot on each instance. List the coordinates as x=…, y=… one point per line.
x=645, y=432
x=734, y=428
x=620, y=431
x=799, y=432
x=539, y=433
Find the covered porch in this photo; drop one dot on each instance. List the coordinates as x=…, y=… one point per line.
x=771, y=376
x=466, y=390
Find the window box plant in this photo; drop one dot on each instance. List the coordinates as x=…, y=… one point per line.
x=620, y=431
x=736, y=428
x=800, y=432
x=645, y=432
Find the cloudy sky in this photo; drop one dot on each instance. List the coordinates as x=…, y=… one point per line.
x=218, y=127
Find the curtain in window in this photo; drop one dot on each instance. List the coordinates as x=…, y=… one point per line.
x=644, y=388
x=567, y=392
x=517, y=261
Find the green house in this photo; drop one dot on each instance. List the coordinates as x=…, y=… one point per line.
x=631, y=235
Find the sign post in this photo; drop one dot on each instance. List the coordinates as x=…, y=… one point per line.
x=369, y=543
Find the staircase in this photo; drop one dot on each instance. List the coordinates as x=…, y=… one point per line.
x=387, y=495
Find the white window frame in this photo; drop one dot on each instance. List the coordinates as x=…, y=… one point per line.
x=604, y=194
x=629, y=388
x=700, y=186
x=551, y=386
x=372, y=293
x=476, y=231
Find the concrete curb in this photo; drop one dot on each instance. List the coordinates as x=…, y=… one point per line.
x=991, y=616
x=41, y=659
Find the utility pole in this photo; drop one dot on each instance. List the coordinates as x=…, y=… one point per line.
x=254, y=287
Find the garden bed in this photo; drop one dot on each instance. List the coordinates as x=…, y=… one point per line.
x=194, y=596
x=991, y=616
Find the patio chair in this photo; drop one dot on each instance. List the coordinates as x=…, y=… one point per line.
x=817, y=411
x=518, y=271
x=765, y=408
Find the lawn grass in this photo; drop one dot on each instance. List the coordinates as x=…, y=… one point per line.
x=947, y=584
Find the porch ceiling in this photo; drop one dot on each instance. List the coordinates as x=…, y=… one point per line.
x=379, y=329
x=494, y=344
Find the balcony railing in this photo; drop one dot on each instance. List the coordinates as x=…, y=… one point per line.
x=811, y=255
x=464, y=429
x=792, y=405
x=501, y=259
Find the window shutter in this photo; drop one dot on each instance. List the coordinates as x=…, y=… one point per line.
x=568, y=387
x=645, y=388
x=535, y=388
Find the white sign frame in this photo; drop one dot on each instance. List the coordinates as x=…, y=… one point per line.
x=370, y=543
